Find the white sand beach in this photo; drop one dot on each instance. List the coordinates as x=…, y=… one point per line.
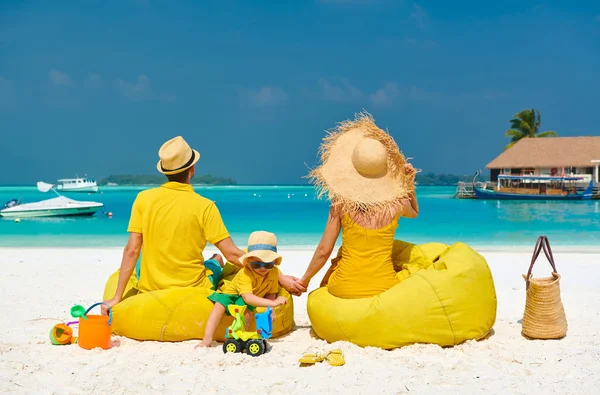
x=40, y=285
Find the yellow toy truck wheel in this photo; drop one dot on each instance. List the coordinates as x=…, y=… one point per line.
x=232, y=345
x=255, y=347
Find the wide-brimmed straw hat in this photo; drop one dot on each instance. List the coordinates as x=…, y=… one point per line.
x=176, y=156
x=262, y=245
x=361, y=167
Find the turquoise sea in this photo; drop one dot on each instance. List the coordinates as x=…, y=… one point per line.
x=298, y=218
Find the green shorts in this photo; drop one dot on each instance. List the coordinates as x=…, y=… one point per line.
x=227, y=299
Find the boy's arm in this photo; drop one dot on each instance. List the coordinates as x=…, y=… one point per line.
x=270, y=296
x=257, y=301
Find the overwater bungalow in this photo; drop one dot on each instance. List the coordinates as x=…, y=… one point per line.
x=550, y=156
x=557, y=168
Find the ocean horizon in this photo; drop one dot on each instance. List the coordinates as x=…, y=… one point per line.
x=298, y=218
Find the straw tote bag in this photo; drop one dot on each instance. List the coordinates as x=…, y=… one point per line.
x=544, y=316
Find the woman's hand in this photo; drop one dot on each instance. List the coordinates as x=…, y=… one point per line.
x=292, y=284
x=410, y=170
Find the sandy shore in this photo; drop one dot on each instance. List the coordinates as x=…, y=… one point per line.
x=40, y=285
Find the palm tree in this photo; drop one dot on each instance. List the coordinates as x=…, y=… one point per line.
x=526, y=124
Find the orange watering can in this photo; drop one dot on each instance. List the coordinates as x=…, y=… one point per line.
x=94, y=330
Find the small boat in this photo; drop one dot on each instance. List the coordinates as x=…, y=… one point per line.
x=77, y=185
x=59, y=206
x=530, y=187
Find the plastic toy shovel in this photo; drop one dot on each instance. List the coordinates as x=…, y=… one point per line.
x=78, y=311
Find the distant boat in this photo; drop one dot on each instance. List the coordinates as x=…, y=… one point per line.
x=77, y=185
x=55, y=207
x=529, y=187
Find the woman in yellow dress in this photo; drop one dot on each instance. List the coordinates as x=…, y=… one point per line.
x=370, y=186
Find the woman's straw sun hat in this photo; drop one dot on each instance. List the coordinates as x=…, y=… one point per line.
x=176, y=156
x=361, y=167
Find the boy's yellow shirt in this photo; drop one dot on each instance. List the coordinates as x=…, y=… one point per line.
x=175, y=223
x=248, y=281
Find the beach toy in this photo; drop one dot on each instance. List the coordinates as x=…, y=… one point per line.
x=78, y=311
x=62, y=334
x=254, y=342
x=94, y=330
x=445, y=296
x=333, y=358
x=179, y=314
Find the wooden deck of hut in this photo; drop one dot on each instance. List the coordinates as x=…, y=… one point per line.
x=464, y=190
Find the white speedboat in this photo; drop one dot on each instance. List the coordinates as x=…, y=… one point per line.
x=59, y=206
x=77, y=185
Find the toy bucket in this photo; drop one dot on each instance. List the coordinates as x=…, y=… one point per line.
x=95, y=331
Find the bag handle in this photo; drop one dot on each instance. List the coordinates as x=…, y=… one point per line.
x=541, y=244
x=109, y=310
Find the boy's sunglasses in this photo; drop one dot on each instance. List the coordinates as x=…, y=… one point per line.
x=266, y=265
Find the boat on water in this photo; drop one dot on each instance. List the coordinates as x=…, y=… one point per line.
x=59, y=206
x=77, y=185
x=531, y=187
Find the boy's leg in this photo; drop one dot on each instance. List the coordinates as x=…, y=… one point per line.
x=211, y=325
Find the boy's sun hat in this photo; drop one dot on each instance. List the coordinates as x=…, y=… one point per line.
x=262, y=245
x=361, y=167
x=176, y=156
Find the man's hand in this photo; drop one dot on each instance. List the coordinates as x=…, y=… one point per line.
x=292, y=284
x=110, y=302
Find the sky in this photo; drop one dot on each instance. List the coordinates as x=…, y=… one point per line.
x=95, y=87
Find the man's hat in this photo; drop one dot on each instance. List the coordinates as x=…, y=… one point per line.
x=176, y=156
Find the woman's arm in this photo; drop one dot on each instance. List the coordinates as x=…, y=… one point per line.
x=410, y=206
x=325, y=247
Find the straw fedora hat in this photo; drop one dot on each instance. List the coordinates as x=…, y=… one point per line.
x=176, y=156
x=262, y=245
x=361, y=167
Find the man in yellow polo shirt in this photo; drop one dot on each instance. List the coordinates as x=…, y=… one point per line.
x=171, y=225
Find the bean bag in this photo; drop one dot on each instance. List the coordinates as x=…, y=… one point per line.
x=445, y=296
x=178, y=314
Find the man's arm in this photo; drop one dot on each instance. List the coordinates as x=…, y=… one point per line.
x=131, y=253
x=231, y=252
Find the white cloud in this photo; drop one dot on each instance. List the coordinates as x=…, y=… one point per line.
x=421, y=17
x=265, y=96
x=384, y=95
x=139, y=89
x=93, y=80
x=59, y=78
x=343, y=92
x=392, y=92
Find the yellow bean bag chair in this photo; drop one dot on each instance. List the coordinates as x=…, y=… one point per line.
x=445, y=296
x=178, y=314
